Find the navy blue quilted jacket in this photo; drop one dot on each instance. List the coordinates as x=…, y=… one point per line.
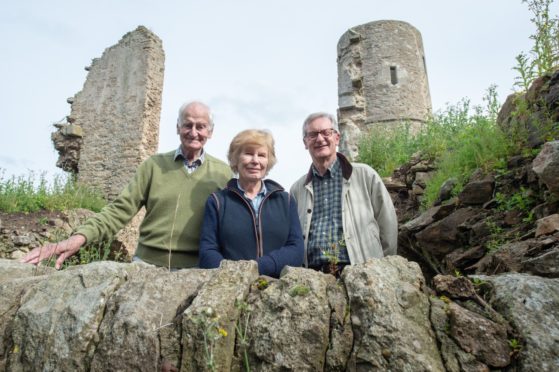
x=231, y=231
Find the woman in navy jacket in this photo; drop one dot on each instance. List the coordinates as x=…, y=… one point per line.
x=252, y=218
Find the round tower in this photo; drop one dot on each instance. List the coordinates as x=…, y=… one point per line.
x=382, y=80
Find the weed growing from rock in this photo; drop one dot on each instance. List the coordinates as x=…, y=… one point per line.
x=242, y=330
x=496, y=238
x=208, y=322
x=262, y=284
x=543, y=57
x=332, y=254
x=299, y=290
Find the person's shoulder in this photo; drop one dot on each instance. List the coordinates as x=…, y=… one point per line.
x=365, y=173
x=364, y=169
x=300, y=182
x=166, y=154
x=158, y=159
x=169, y=155
x=276, y=191
x=215, y=161
x=272, y=185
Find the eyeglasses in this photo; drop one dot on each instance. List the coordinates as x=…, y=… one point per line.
x=189, y=126
x=326, y=133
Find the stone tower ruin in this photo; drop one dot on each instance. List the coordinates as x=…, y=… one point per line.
x=382, y=80
x=114, y=120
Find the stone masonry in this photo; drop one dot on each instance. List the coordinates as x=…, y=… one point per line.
x=114, y=121
x=379, y=316
x=382, y=80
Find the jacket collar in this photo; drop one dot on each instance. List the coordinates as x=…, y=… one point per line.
x=345, y=164
x=271, y=186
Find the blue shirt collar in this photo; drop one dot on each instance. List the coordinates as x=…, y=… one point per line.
x=262, y=191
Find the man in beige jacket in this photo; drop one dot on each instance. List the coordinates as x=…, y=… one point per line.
x=346, y=213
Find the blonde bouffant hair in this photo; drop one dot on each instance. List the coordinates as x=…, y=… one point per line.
x=251, y=137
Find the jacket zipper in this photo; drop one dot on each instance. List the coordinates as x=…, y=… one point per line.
x=257, y=229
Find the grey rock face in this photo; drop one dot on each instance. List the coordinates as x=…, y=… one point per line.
x=484, y=339
x=531, y=304
x=140, y=322
x=547, y=225
x=442, y=236
x=299, y=322
x=455, y=358
x=377, y=316
x=209, y=323
x=341, y=332
x=11, y=293
x=477, y=192
x=13, y=269
x=56, y=326
x=546, y=165
x=390, y=317
x=546, y=264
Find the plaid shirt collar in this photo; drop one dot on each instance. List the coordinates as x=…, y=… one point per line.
x=345, y=165
x=331, y=172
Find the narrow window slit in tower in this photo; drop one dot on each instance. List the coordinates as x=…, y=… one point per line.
x=393, y=75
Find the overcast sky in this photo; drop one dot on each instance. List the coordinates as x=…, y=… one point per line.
x=257, y=63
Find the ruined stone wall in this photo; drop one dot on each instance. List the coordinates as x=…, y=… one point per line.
x=114, y=122
x=382, y=79
x=119, y=110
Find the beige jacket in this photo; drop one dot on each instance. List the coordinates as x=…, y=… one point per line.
x=369, y=220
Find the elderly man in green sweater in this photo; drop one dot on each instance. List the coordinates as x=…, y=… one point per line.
x=172, y=186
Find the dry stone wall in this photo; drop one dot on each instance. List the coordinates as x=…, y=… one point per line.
x=382, y=79
x=379, y=316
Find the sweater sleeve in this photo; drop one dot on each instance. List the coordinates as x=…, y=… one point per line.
x=115, y=215
x=210, y=252
x=291, y=254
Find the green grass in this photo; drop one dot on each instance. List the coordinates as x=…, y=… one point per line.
x=386, y=149
x=32, y=193
x=458, y=140
x=480, y=144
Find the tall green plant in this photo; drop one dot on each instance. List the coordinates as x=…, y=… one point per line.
x=385, y=149
x=543, y=57
x=459, y=139
x=480, y=145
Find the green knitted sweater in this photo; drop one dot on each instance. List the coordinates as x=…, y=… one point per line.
x=174, y=202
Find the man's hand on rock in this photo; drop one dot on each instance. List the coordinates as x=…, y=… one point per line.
x=62, y=249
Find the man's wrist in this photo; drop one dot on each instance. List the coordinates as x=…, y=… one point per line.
x=79, y=238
